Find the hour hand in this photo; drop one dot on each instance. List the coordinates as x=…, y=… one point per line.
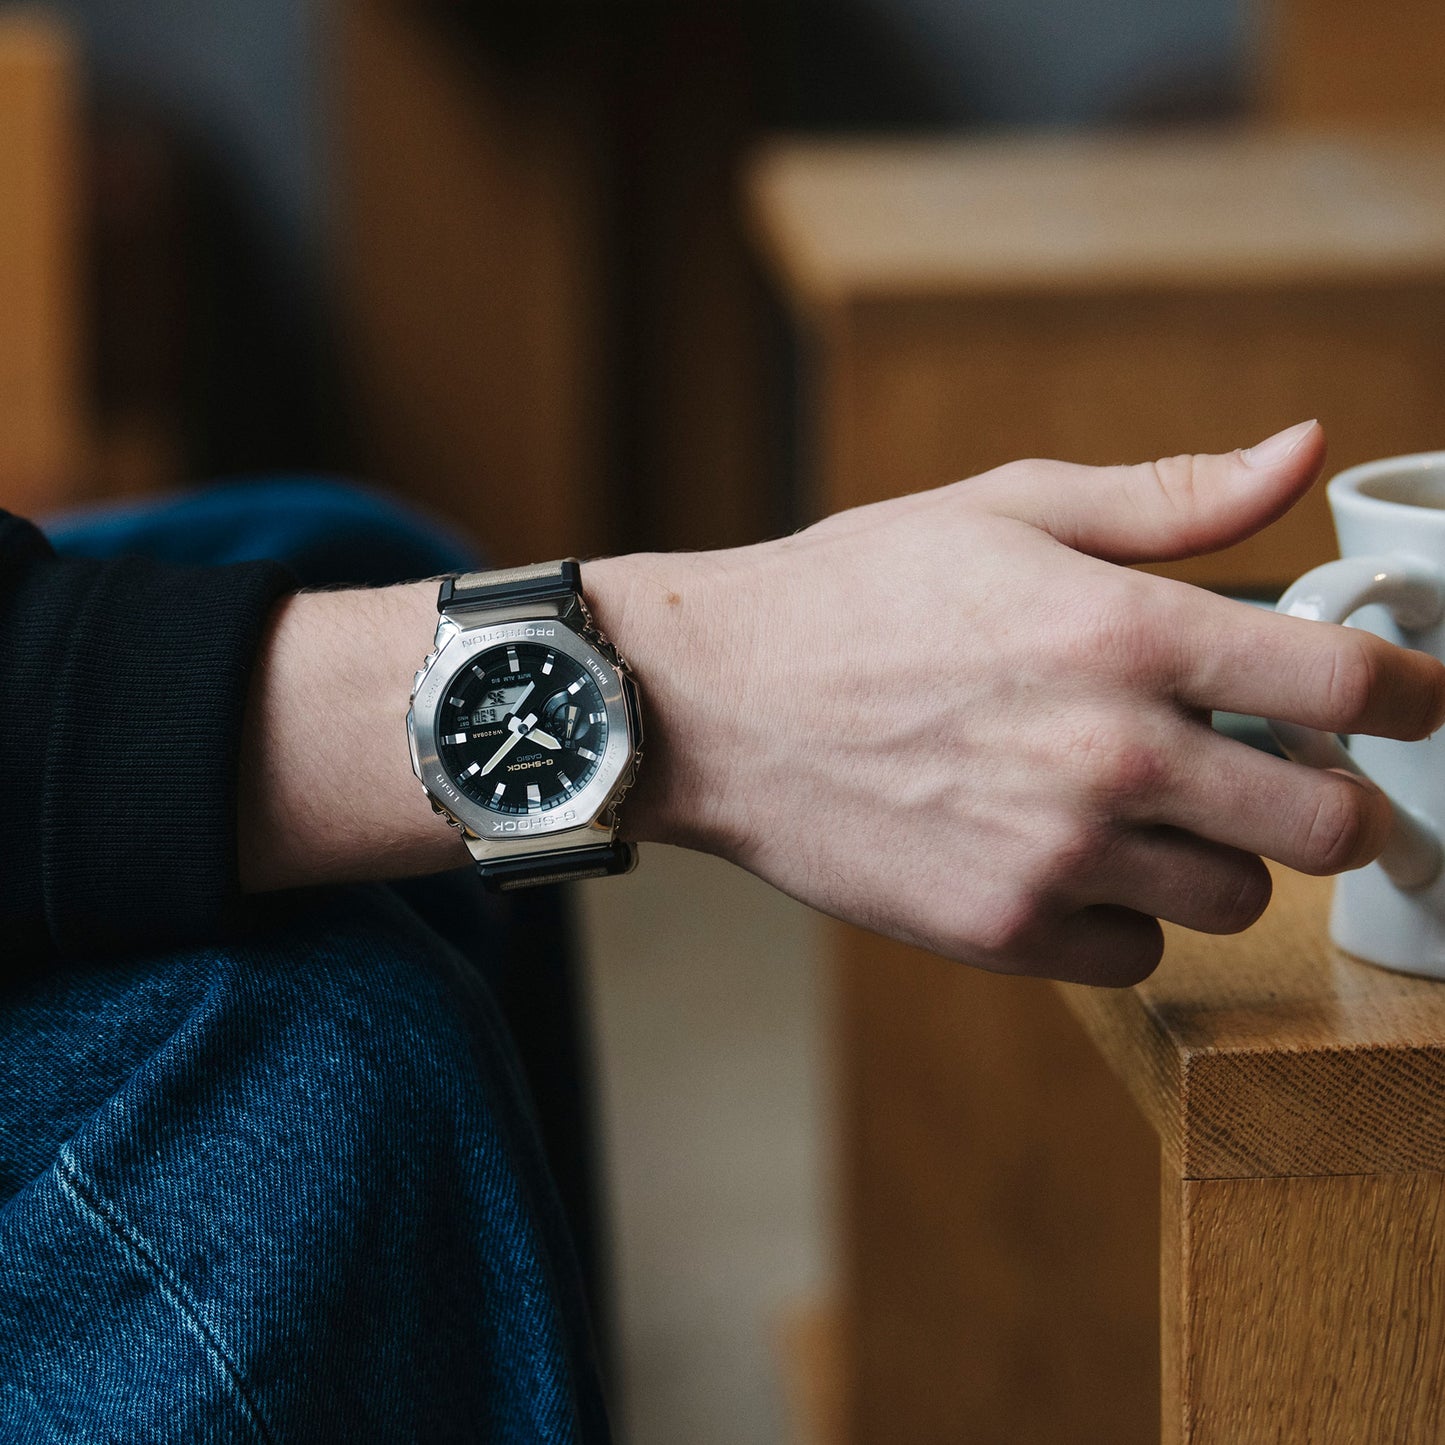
x=517, y=729
x=545, y=739
x=512, y=739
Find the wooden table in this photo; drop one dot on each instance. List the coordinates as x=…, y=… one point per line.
x=1299, y=1100
x=1001, y=1226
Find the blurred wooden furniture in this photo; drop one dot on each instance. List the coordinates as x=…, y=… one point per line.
x=40, y=302
x=960, y=304
x=1110, y=299
x=471, y=293
x=807, y=1349
x=554, y=332
x=1338, y=62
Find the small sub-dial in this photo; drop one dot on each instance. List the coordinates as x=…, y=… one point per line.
x=569, y=720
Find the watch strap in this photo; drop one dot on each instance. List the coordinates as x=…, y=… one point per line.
x=512, y=587
x=559, y=584
x=606, y=860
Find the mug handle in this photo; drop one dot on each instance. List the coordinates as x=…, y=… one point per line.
x=1414, y=592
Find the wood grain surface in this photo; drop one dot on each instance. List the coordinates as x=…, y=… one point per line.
x=1304, y=1310
x=40, y=410
x=1271, y=1053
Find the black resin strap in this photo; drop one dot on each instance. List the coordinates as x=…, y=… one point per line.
x=515, y=587
x=604, y=861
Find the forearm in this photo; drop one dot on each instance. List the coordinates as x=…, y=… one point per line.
x=952, y=718
x=327, y=792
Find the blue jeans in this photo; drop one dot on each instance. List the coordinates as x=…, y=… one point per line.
x=295, y=1189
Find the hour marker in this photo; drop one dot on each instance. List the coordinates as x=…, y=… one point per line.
x=547, y=666
x=455, y=738
x=479, y=670
x=564, y=780
x=596, y=716
x=588, y=754
x=456, y=702
x=497, y=794
x=512, y=664
x=472, y=771
x=534, y=796
x=576, y=686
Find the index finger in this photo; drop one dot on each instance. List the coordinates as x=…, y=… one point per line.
x=1235, y=657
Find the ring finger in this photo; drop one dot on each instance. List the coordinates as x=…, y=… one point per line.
x=1170, y=874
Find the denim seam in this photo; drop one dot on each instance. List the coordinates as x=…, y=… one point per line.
x=94, y=1206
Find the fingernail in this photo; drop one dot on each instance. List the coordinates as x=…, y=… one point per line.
x=1273, y=450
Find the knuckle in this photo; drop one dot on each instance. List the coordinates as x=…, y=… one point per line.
x=1009, y=923
x=1122, y=628
x=1003, y=482
x=1354, y=671
x=1077, y=847
x=1340, y=829
x=1119, y=769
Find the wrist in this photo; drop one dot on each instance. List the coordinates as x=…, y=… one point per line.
x=669, y=615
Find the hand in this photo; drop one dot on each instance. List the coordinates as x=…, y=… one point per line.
x=517, y=729
x=1049, y=785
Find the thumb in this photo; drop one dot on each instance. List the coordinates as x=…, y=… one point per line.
x=1157, y=511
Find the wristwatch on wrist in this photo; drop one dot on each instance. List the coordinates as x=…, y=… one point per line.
x=524, y=727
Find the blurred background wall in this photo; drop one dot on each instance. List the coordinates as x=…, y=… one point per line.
x=260, y=264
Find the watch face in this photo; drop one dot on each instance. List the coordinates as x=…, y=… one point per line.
x=521, y=728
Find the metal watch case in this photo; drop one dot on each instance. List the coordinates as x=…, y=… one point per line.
x=585, y=820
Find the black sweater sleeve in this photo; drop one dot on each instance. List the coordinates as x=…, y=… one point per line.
x=122, y=690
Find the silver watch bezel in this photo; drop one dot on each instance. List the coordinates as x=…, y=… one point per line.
x=510, y=833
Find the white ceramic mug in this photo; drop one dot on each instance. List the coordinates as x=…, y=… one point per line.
x=1390, y=519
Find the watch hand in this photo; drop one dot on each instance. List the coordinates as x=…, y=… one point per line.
x=546, y=739
x=517, y=729
x=512, y=740
x=515, y=709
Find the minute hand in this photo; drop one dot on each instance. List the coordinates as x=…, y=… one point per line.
x=518, y=729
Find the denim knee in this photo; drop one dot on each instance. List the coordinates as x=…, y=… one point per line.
x=318, y=1181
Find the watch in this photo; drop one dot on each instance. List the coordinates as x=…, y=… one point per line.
x=524, y=727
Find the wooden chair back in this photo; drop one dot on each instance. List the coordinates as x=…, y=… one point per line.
x=40, y=265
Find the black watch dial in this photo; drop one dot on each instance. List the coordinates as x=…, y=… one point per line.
x=522, y=728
